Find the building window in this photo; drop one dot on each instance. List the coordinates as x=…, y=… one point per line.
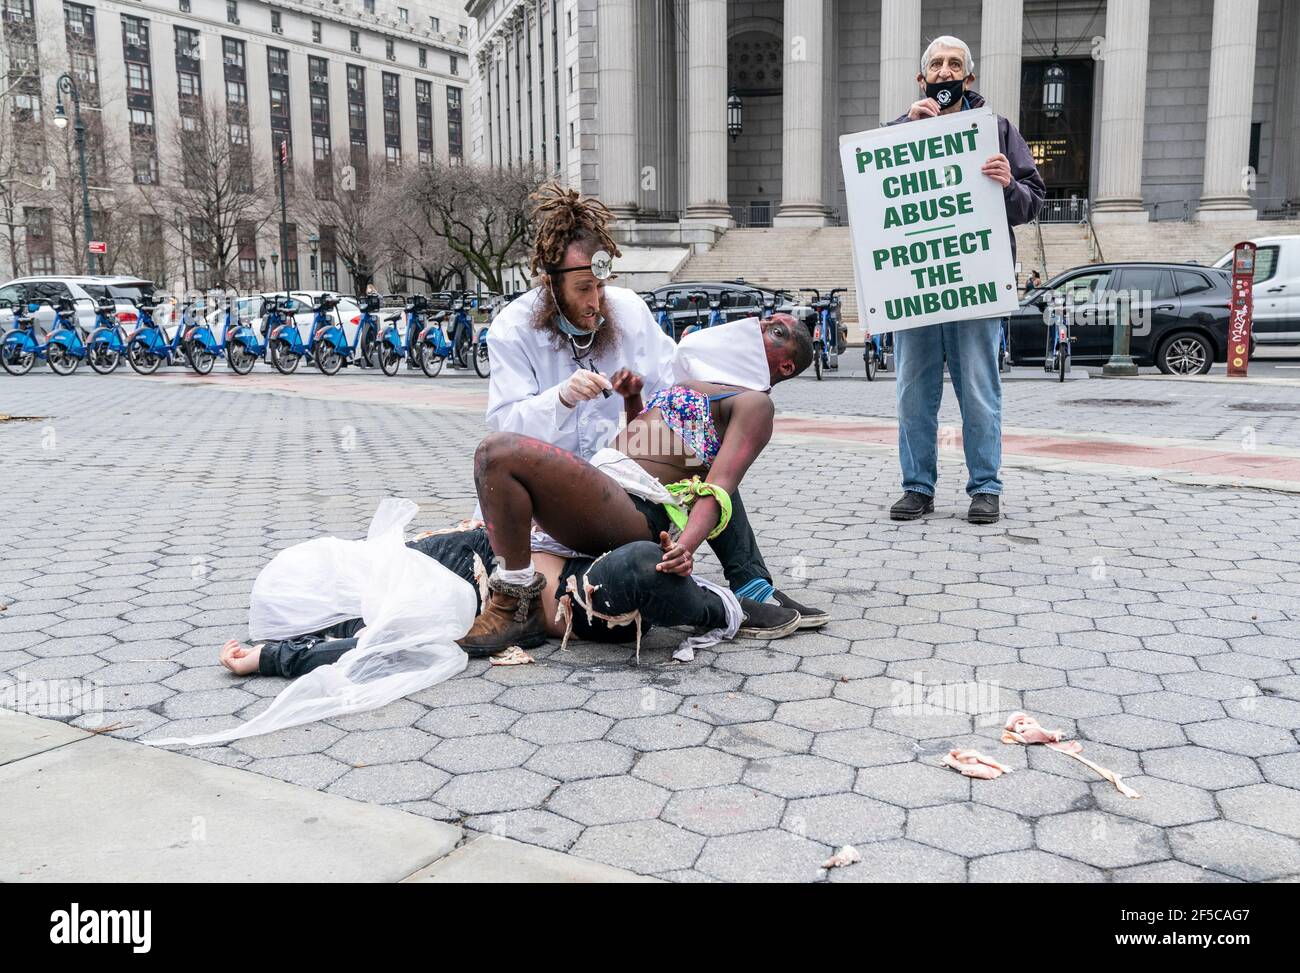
x=464, y=33
x=135, y=32
x=455, y=147
x=185, y=6
x=236, y=93
x=187, y=43
x=356, y=40
x=455, y=64
x=275, y=22
x=232, y=51
x=570, y=134
x=424, y=58
x=370, y=6
x=390, y=85
x=570, y=79
x=141, y=121
x=435, y=24
x=277, y=60
x=315, y=31
x=318, y=70
x=394, y=155
x=388, y=51
x=279, y=103
x=320, y=110
x=187, y=84
x=138, y=80
x=232, y=11
x=403, y=15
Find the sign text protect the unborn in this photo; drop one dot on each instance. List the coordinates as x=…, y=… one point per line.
x=929, y=230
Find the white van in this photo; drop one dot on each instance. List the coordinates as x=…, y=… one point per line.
x=1277, y=289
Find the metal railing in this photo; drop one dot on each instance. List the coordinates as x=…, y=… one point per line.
x=1178, y=209
x=1072, y=210
x=1042, y=250
x=1094, y=243
x=752, y=214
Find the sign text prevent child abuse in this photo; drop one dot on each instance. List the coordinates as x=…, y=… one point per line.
x=929, y=230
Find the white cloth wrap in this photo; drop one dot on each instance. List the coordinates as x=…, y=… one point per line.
x=414, y=610
x=726, y=354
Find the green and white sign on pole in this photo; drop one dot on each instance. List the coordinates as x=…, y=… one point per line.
x=929, y=230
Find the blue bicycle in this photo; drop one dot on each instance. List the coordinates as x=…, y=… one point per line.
x=285, y=347
x=107, y=342
x=828, y=342
x=878, y=353
x=1059, y=341
x=202, y=348
x=148, y=348
x=659, y=310
x=331, y=349
x=243, y=346
x=462, y=329
x=62, y=348
x=697, y=298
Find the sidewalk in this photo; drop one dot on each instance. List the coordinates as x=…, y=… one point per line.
x=81, y=807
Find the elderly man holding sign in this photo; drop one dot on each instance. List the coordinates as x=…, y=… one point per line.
x=930, y=210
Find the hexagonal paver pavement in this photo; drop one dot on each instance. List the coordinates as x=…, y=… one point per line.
x=1124, y=611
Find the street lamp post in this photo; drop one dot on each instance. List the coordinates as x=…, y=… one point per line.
x=261, y=263
x=275, y=262
x=65, y=85
x=313, y=241
x=185, y=271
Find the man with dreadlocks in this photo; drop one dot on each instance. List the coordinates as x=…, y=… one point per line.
x=568, y=352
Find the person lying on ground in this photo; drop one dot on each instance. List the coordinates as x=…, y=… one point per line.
x=646, y=487
x=626, y=580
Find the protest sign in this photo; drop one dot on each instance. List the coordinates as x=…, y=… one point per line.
x=929, y=230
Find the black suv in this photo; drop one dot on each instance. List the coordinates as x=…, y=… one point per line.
x=1179, y=313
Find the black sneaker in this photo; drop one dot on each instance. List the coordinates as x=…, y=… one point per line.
x=911, y=506
x=808, y=617
x=766, y=621
x=983, y=509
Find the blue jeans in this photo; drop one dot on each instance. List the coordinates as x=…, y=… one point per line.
x=971, y=349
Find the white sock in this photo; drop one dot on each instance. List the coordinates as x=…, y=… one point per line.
x=519, y=577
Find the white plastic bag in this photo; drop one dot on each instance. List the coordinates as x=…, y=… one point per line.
x=414, y=610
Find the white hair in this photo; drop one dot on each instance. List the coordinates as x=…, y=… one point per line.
x=949, y=41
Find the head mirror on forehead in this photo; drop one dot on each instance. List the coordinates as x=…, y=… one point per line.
x=601, y=266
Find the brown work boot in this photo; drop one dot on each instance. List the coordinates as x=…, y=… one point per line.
x=511, y=615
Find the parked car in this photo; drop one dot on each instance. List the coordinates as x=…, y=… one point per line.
x=1179, y=312
x=128, y=293
x=1277, y=289
x=740, y=299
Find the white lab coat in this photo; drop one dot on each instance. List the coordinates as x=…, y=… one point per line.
x=528, y=370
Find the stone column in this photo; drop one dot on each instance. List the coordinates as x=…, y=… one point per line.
x=1123, y=113
x=1002, y=25
x=1232, y=97
x=900, y=56
x=706, y=194
x=617, y=107
x=802, y=101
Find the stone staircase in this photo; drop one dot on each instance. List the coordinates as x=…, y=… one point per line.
x=822, y=257
x=1181, y=242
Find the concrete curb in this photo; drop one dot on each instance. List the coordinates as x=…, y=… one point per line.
x=81, y=807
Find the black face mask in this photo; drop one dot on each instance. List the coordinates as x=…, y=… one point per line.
x=946, y=93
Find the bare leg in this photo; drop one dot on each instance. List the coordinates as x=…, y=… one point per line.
x=520, y=479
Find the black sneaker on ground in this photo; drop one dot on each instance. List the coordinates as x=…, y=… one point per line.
x=911, y=506
x=808, y=617
x=983, y=509
x=766, y=621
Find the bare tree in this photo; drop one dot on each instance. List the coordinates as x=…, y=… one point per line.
x=414, y=252
x=220, y=188
x=354, y=200
x=481, y=213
